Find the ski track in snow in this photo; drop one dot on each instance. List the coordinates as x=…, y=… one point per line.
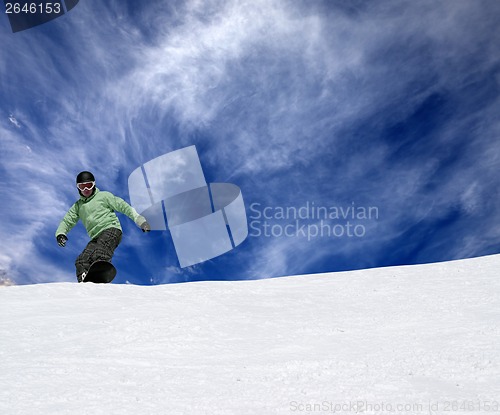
x=413, y=335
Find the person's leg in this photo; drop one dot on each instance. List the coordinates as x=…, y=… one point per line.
x=106, y=243
x=101, y=248
x=84, y=260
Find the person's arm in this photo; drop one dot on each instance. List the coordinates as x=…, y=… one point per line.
x=67, y=223
x=119, y=205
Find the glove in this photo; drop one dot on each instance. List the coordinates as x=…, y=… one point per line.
x=145, y=227
x=61, y=240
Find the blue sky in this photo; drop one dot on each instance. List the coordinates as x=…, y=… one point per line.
x=332, y=104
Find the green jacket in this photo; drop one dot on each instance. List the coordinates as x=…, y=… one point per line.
x=97, y=213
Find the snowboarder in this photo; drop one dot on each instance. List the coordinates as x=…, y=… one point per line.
x=96, y=210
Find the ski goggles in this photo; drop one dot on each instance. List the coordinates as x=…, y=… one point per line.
x=85, y=186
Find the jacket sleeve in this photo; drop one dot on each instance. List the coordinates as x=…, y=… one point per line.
x=69, y=221
x=119, y=205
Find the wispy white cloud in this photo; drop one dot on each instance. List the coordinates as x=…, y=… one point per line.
x=5, y=280
x=14, y=121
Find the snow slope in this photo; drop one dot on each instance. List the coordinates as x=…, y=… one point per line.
x=415, y=339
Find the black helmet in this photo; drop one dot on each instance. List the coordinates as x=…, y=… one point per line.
x=84, y=177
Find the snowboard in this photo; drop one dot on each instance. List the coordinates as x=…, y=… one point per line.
x=100, y=272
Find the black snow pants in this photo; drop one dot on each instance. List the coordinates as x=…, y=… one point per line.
x=101, y=248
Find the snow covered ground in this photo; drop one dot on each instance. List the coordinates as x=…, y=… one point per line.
x=411, y=340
